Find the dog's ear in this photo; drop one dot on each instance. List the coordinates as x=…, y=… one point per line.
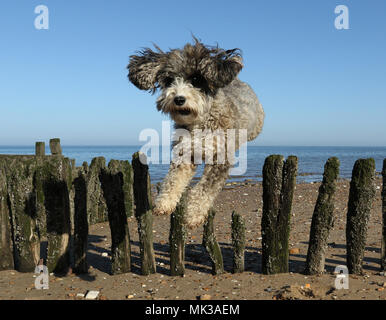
x=225, y=65
x=143, y=68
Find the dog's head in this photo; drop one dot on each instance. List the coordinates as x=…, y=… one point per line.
x=188, y=78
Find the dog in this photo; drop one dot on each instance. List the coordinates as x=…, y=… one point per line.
x=200, y=90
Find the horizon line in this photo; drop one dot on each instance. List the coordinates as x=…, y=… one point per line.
x=140, y=145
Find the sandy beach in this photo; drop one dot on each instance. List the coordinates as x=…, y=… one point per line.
x=245, y=198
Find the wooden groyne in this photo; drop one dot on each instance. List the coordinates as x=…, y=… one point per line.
x=35, y=204
x=46, y=198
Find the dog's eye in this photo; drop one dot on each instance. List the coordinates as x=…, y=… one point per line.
x=198, y=81
x=168, y=82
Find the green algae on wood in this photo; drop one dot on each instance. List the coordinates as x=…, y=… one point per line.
x=177, y=239
x=362, y=192
x=40, y=149
x=97, y=207
x=55, y=147
x=112, y=181
x=56, y=177
x=19, y=171
x=272, y=185
x=80, y=223
x=279, y=180
x=125, y=168
x=209, y=241
x=238, y=242
x=6, y=251
x=143, y=212
x=322, y=218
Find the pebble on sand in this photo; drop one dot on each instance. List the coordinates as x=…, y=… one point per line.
x=92, y=295
x=294, y=251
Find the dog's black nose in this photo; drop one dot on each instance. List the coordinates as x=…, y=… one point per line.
x=179, y=100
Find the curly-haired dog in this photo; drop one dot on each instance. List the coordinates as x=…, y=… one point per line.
x=200, y=90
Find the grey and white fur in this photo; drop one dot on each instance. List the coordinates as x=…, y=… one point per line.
x=200, y=89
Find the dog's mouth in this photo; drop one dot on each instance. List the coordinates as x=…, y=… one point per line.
x=184, y=111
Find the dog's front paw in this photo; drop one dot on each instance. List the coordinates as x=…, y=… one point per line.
x=193, y=223
x=163, y=208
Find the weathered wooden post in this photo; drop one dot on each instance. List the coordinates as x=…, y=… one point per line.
x=177, y=238
x=80, y=223
x=112, y=185
x=383, y=254
x=143, y=212
x=55, y=147
x=40, y=149
x=37, y=197
x=322, y=218
x=73, y=164
x=279, y=181
x=362, y=191
x=21, y=203
x=96, y=203
x=6, y=254
x=85, y=166
x=127, y=187
x=56, y=178
x=210, y=243
x=238, y=242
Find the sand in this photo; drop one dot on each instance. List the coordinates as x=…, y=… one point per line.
x=245, y=198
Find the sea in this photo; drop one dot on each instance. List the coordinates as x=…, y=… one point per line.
x=311, y=160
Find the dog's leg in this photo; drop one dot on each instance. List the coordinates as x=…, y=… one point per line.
x=200, y=199
x=173, y=186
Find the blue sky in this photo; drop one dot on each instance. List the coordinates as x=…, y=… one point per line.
x=318, y=85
